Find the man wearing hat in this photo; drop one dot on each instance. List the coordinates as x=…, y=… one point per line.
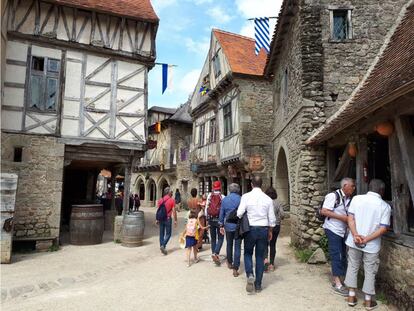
x=213, y=206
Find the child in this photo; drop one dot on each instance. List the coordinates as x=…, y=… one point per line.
x=191, y=236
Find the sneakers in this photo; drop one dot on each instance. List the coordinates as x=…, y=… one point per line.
x=235, y=273
x=352, y=301
x=343, y=291
x=163, y=250
x=258, y=289
x=229, y=265
x=250, y=284
x=370, y=304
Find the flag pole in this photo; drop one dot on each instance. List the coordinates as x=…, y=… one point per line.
x=166, y=64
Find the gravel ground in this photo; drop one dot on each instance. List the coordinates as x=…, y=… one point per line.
x=111, y=277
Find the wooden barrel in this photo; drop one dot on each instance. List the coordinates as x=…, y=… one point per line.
x=86, y=224
x=133, y=229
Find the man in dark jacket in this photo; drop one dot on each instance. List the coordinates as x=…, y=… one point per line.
x=229, y=204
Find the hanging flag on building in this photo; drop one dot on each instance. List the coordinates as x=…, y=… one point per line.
x=262, y=34
x=167, y=74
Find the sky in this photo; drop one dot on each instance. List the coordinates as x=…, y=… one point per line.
x=183, y=39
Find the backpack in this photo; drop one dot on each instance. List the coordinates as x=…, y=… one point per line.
x=161, y=214
x=214, y=206
x=191, y=227
x=318, y=212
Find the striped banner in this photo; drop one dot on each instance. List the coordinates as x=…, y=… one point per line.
x=262, y=34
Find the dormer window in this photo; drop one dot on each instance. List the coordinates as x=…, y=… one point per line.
x=216, y=65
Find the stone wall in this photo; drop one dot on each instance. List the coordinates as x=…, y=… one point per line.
x=256, y=122
x=39, y=190
x=396, y=273
x=345, y=64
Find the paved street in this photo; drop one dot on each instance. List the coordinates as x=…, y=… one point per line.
x=111, y=277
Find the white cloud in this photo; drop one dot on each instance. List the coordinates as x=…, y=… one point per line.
x=199, y=47
x=247, y=30
x=162, y=4
x=258, y=8
x=198, y=2
x=189, y=81
x=219, y=15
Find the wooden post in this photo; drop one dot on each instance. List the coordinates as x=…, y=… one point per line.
x=331, y=168
x=113, y=175
x=361, y=160
x=399, y=188
x=127, y=185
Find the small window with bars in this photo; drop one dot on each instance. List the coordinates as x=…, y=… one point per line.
x=216, y=65
x=212, y=134
x=201, y=137
x=341, y=25
x=43, y=89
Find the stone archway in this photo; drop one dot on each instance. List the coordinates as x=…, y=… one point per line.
x=162, y=184
x=139, y=187
x=151, y=192
x=282, y=180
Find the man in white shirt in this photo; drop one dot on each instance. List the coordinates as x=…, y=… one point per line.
x=369, y=218
x=335, y=208
x=259, y=209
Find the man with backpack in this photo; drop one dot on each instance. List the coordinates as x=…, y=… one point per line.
x=163, y=218
x=335, y=210
x=213, y=206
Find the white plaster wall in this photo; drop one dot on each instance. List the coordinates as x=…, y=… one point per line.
x=73, y=79
x=46, y=52
x=16, y=50
x=11, y=120
x=13, y=97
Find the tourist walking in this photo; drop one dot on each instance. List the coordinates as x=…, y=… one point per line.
x=270, y=262
x=212, y=212
x=192, y=236
x=335, y=210
x=166, y=225
x=137, y=202
x=177, y=199
x=369, y=218
x=229, y=204
x=261, y=216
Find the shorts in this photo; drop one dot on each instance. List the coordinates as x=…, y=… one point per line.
x=190, y=241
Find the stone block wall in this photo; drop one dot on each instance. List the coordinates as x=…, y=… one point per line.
x=345, y=63
x=396, y=273
x=256, y=122
x=39, y=194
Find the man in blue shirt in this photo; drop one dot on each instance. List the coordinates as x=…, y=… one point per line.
x=230, y=203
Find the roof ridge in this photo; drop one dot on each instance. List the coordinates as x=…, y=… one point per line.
x=232, y=33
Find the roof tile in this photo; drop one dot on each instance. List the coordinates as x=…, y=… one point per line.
x=240, y=54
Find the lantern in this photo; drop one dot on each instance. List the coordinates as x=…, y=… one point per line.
x=352, y=149
x=157, y=127
x=384, y=128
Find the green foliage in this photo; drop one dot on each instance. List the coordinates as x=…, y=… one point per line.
x=323, y=243
x=118, y=241
x=53, y=248
x=380, y=296
x=303, y=254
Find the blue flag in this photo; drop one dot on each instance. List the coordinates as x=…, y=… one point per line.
x=164, y=77
x=262, y=34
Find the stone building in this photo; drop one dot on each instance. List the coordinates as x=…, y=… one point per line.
x=377, y=124
x=74, y=101
x=168, y=163
x=319, y=53
x=231, y=108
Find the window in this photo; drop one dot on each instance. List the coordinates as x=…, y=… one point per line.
x=228, y=130
x=212, y=136
x=216, y=65
x=201, y=137
x=341, y=27
x=43, y=84
x=284, y=85
x=18, y=153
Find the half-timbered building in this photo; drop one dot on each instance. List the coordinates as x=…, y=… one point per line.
x=167, y=163
x=232, y=113
x=74, y=101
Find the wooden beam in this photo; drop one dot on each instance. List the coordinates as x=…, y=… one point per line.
x=399, y=188
x=127, y=185
x=361, y=160
x=406, y=141
x=343, y=165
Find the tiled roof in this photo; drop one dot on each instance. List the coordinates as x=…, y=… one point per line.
x=137, y=9
x=182, y=115
x=239, y=51
x=163, y=109
x=393, y=71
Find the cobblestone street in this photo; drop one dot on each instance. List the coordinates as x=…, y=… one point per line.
x=111, y=277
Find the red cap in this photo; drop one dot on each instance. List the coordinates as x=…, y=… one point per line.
x=217, y=185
